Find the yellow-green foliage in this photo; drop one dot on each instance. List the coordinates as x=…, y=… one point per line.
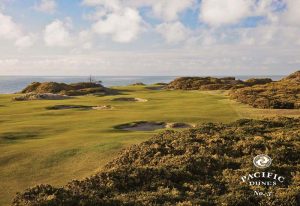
x=212, y=83
x=284, y=94
x=75, y=89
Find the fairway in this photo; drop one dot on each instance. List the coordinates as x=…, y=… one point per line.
x=40, y=146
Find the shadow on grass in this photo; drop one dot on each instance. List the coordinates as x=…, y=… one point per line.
x=58, y=157
x=12, y=137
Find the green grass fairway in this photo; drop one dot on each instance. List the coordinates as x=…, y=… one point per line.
x=55, y=146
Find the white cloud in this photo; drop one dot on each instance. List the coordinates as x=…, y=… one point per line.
x=47, y=6
x=169, y=10
x=292, y=14
x=8, y=28
x=85, y=38
x=216, y=12
x=173, y=32
x=123, y=25
x=25, y=41
x=57, y=34
x=122, y=21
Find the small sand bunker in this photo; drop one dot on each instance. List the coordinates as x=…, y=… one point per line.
x=142, y=126
x=151, y=126
x=103, y=107
x=178, y=125
x=44, y=96
x=130, y=99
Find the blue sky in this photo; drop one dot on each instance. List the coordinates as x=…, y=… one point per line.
x=149, y=37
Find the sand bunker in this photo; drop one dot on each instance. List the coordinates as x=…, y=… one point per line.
x=45, y=96
x=103, y=107
x=62, y=107
x=178, y=125
x=130, y=99
x=83, y=107
x=151, y=126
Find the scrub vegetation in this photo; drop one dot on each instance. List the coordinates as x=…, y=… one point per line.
x=284, y=94
x=75, y=89
x=200, y=166
x=212, y=83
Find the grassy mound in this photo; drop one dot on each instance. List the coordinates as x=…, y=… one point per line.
x=211, y=83
x=75, y=89
x=200, y=166
x=284, y=94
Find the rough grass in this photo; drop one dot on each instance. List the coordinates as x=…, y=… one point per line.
x=57, y=146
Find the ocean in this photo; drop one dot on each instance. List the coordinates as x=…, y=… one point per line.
x=12, y=84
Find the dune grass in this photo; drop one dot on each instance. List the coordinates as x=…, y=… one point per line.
x=39, y=146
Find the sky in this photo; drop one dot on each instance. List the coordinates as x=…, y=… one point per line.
x=149, y=37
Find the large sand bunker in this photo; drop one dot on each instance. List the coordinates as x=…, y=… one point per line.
x=129, y=99
x=151, y=126
x=83, y=107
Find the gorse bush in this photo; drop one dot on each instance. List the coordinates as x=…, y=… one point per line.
x=200, y=166
x=284, y=94
x=74, y=89
x=211, y=83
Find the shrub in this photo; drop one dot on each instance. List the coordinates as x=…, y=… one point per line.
x=74, y=89
x=211, y=83
x=283, y=94
x=200, y=166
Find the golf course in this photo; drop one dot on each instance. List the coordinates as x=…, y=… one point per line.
x=42, y=142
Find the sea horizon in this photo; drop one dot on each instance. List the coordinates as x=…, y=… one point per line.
x=14, y=83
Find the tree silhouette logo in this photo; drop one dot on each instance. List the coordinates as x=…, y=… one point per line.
x=262, y=161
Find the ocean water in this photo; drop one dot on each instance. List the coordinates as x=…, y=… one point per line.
x=12, y=84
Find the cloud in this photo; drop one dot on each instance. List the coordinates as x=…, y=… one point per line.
x=170, y=10
x=85, y=39
x=47, y=6
x=123, y=25
x=8, y=28
x=173, y=32
x=25, y=41
x=121, y=19
x=292, y=14
x=217, y=13
x=57, y=34
x=220, y=60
